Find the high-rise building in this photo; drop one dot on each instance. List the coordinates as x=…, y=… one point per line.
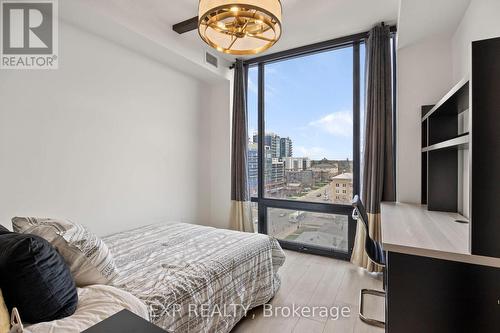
x=253, y=169
x=274, y=172
x=277, y=171
x=286, y=147
x=273, y=141
x=274, y=169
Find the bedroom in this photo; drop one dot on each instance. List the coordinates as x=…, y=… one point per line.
x=133, y=142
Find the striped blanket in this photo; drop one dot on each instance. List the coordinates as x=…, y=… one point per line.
x=195, y=278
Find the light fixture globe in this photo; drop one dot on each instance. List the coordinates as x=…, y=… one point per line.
x=240, y=27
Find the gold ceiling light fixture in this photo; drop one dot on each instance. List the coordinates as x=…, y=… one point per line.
x=240, y=27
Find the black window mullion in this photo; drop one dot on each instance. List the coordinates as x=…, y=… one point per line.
x=394, y=105
x=306, y=206
x=314, y=249
x=356, y=137
x=356, y=117
x=262, y=211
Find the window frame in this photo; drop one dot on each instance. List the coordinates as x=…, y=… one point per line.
x=263, y=202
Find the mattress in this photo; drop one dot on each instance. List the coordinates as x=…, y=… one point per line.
x=194, y=278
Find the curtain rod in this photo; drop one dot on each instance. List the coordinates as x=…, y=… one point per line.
x=312, y=48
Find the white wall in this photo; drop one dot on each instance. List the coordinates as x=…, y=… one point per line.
x=481, y=21
x=216, y=142
x=148, y=30
x=111, y=139
x=426, y=71
x=423, y=77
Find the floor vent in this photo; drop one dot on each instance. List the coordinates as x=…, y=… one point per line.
x=211, y=59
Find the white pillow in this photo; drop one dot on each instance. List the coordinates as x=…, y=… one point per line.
x=87, y=256
x=95, y=303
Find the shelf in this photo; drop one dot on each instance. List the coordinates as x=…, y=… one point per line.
x=448, y=97
x=460, y=142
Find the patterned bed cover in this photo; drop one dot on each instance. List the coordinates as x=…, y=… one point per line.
x=195, y=278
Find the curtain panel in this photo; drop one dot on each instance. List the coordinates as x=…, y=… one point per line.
x=241, y=217
x=378, y=165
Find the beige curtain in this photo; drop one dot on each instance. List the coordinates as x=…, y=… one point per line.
x=378, y=164
x=359, y=256
x=241, y=216
x=240, y=205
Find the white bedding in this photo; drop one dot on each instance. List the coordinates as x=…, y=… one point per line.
x=180, y=270
x=95, y=303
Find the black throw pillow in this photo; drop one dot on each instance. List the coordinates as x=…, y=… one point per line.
x=35, y=279
x=3, y=230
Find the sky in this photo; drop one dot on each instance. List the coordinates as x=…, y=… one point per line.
x=309, y=99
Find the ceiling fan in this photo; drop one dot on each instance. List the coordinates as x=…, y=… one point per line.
x=237, y=27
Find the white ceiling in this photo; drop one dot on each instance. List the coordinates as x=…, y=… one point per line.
x=148, y=23
x=426, y=18
x=311, y=21
x=304, y=21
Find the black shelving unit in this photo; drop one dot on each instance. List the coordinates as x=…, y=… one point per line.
x=459, y=142
x=425, y=122
x=485, y=148
x=443, y=136
x=441, y=140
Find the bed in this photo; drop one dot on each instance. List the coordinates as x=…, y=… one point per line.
x=194, y=278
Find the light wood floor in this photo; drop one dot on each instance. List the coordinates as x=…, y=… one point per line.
x=308, y=280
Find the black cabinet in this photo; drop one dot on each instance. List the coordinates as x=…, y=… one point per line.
x=485, y=176
x=439, y=296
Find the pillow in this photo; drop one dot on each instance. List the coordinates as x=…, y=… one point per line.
x=4, y=230
x=35, y=279
x=88, y=258
x=4, y=314
x=96, y=303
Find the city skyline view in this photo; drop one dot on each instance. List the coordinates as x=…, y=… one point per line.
x=310, y=100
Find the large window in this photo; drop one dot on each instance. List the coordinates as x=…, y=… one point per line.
x=304, y=145
x=309, y=127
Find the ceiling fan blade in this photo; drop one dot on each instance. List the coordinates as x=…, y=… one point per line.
x=232, y=43
x=186, y=26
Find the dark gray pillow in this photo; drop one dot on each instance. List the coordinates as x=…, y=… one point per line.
x=4, y=230
x=35, y=279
